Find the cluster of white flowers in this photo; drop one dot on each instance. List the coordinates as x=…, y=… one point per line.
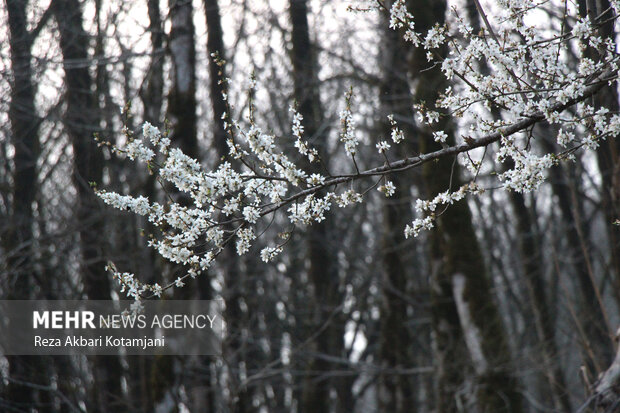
x=529, y=170
x=268, y=254
x=226, y=203
x=528, y=74
x=244, y=242
x=347, y=198
x=136, y=150
x=140, y=205
x=129, y=284
x=435, y=37
x=428, y=208
x=251, y=214
x=397, y=134
x=401, y=18
x=418, y=225
x=529, y=79
x=445, y=198
x=312, y=208
x=152, y=134
x=388, y=188
x=298, y=131
x=383, y=146
x=347, y=136
x=582, y=28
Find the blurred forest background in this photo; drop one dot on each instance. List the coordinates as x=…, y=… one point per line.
x=351, y=317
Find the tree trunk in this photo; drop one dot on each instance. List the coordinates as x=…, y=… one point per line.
x=217, y=75
x=182, y=97
x=396, y=392
x=322, y=270
x=81, y=122
x=18, y=242
x=152, y=88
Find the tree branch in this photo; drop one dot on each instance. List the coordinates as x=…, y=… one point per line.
x=415, y=161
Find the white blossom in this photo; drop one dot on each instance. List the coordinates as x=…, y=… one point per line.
x=582, y=28
x=388, y=189
x=268, y=254
x=440, y=136
x=245, y=236
x=414, y=229
x=135, y=149
x=383, y=146
x=157, y=290
x=397, y=135
x=400, y=17
x=251, y=214
x=434, y=38
x=347, y=136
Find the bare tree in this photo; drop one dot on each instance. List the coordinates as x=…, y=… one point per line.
x=396, y=391
x=322, y=261
x=81, y=120
x=18, y=243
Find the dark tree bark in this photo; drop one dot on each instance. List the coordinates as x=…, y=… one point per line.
x=217, y=75
x=25, y=139
x=152, y=88
x=323, y=268
x=81, y=122
x=182, y=97
x=18, y=242
x=396, y=392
